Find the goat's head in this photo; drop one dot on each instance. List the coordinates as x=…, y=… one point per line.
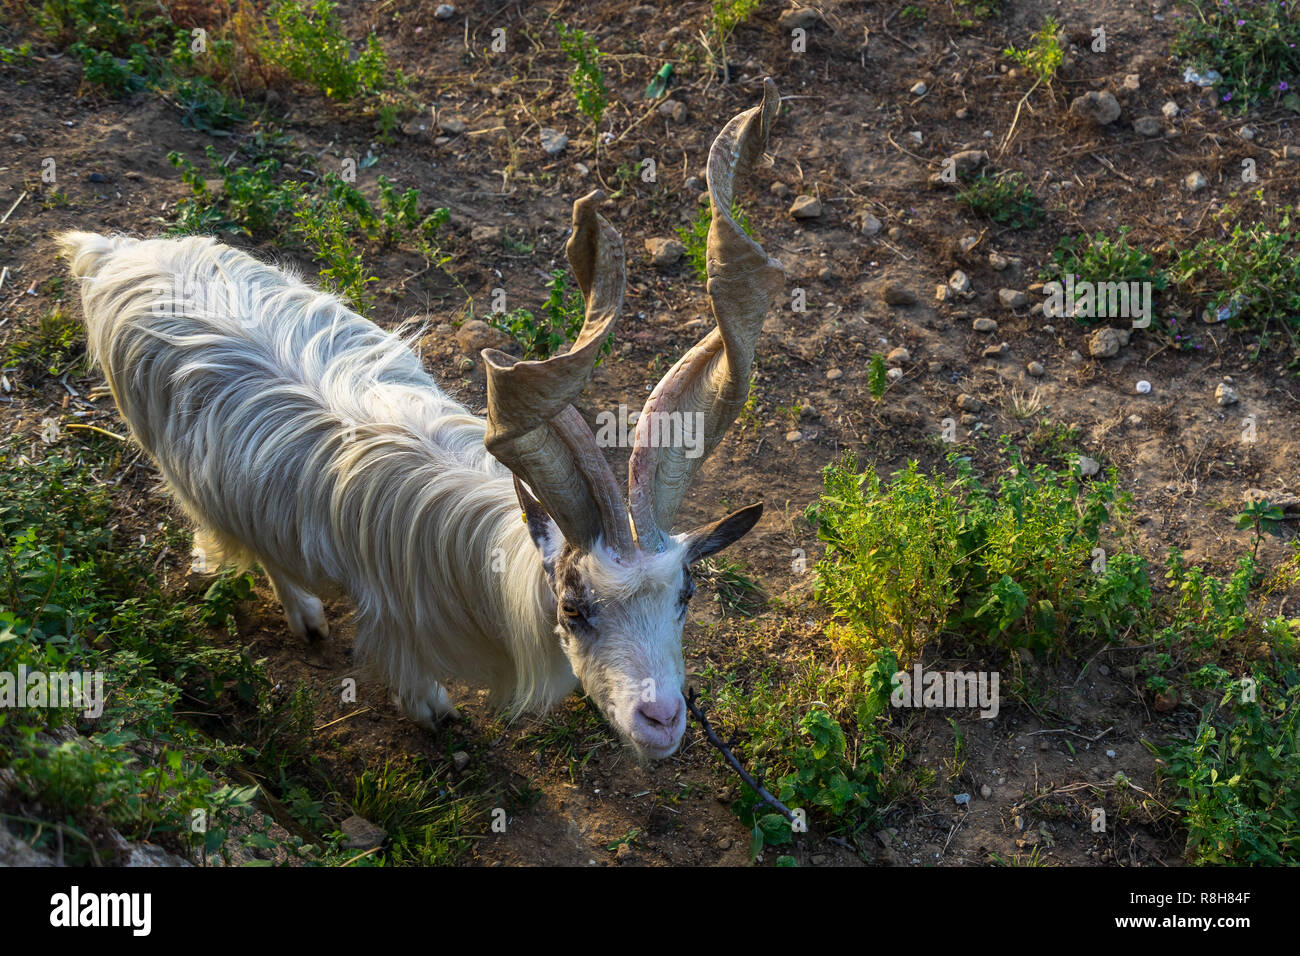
x=620, y=577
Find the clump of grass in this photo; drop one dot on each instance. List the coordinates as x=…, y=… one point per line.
x=56, y=344
x=1254, y=46
x=695, y=236
x=1004, y=198
x=737, y=592
x=970, y=13
x=429, y=817
x=1103, y=258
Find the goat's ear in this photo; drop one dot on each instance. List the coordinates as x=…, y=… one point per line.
x=545, y=533
x=712, y=538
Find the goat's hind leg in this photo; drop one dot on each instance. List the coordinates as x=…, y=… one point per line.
x=427, y=706
x=303, y=610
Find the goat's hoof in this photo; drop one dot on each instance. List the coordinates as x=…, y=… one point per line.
x=430, y=709
x=308, y=621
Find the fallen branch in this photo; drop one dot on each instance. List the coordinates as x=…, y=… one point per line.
x=697, y=712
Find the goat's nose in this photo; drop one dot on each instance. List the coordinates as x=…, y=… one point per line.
x=659, y=722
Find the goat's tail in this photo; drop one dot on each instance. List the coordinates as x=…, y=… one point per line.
x=85, y=251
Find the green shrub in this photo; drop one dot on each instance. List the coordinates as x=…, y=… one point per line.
x=695, y=236
x=1005, y=198
x=307, y=42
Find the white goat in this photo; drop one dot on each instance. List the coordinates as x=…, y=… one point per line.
x=298, y=435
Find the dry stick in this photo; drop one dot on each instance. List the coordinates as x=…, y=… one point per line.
x=340, y=719
x=1063, y=730
x=1016, y=119
x=698, y=713
x=95, y=428
x=13, y=207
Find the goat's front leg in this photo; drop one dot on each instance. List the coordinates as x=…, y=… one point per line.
x=303, y=610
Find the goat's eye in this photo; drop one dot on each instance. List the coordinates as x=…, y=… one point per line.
x=570, y=610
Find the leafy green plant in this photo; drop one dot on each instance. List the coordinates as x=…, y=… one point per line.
x=695, y=236
x=970, y=13
x=727, y=15
x=1101, y=258
x=57, y=340
x=587, y=81
x=1042, y=58
x=307, y=42
x=877, y=377
x=922, y=555
x=1005, y=198
x=1254, y=46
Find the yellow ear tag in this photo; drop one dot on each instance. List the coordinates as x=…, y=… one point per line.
x=524, y=515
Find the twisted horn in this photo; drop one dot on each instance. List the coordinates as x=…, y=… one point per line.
x=710, y=384
x=533, y=428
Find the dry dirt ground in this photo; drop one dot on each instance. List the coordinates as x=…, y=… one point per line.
x=845, y=136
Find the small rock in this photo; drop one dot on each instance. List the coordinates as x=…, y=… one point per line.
x=1074, y=358
x=895, y=232
x=673, y=110
x=793, y=435
x=967, y=243
x=1036, y=369
x=969, y=403
x=1148, y=126
x=97, y=178
x=916, y=137
x=998, y=262
x=919, y=88
x=553, y=141
x=834, y=374
x=1012, y=298
x=962, y=799
x=1088, y=466
x=806, y=207
x=986, y=791
x=967, y=161
x=1104, y=343
x=1110, y=754
x=445, y=11
x=959, y=282
x=1195, y=182
x=963, y=113
x=362, y=834
x=17, y=139
x=800, y=18
x=899, y=356
x=724, y=843
x=996, y=351
x=778, y=189
x=896, y=294
x=985, y=324
x=1224, y=395
x=942, y=293
x=665, y=253
x=1247, y=133
x=1132, y=83
x=476, y=335
x=1169, y=110
x=1142, y=387
x=486, y=235
x=460, y=760
x=1101, y=107
x=870, y=224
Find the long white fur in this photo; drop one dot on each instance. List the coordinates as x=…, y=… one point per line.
x=299, y=435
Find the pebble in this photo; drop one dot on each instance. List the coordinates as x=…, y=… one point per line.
x=986, y=791
x=1195, y=182
x=919, y=88
x=870, y=224
x=1036, y=369
x=1104, y=343
x=1225, y=395
x=959, y=282
x=894, y=375
x=1101, y=107
x=361, y=833
x=1012, y=298
x=1169, y=110
x=445, y=11
x=1089, y=466
x=899, y=356
x=460, y=760
x=1143, y=387
x=673, y=110
x=793, y=435
x=806, y=207
x=1148, y=126
x=834, y=374
x=984, y=324
x=553, y=141
x=998, y=261
x=665, y=253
